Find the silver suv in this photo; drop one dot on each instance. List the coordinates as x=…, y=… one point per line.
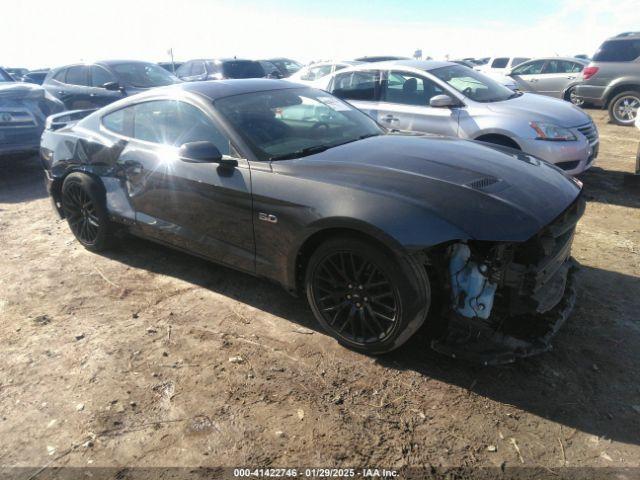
x=450, y=99
x=612, y=79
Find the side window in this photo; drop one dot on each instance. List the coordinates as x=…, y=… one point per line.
x=410, y=89
x=315, y=73
x=212, y=68
x=362, y=85
x=100, y=76
x=198, y=68
x=119, y=121
x=184, y=69
x=60, y=75
x=78, y=75
x=576, y=67
x=499, y=62
x=531, y=68
x=171, y=122
x=518, y=60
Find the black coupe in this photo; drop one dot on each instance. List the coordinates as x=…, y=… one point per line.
x=381, y=231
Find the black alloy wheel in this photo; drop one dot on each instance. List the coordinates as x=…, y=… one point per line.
x=573, y=97
x=81, y=214
x=83, y=203
x=364, y=296
x=355, y=297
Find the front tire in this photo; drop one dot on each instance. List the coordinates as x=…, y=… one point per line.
x=623, y=108
x=84, y=208
x=572, y=96
x=368, y=299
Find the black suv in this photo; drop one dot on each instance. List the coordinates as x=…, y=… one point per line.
x=95, y=85
x=612, y=79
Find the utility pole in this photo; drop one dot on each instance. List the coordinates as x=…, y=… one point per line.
x=173, y=65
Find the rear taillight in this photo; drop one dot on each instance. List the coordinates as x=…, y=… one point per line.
x=589, y=72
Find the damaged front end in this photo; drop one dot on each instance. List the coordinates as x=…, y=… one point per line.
x=507, y=300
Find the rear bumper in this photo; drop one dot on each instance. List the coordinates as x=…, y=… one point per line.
x=19, y=140
x=593, y=94
x=55, y=201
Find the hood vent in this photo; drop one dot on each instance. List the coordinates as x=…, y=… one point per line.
x=483, y=183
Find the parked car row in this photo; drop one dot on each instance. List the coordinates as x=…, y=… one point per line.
x=24, y=108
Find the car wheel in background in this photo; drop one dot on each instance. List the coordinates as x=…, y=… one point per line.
x=84, y=207
x=365, y=297
x=623, y=108
x=572, y=96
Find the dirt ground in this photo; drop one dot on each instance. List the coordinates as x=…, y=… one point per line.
x=127, y=359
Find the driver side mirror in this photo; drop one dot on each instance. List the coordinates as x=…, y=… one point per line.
x=111, y=86
x=204, y=152
x=443, y=101
x=275, y=74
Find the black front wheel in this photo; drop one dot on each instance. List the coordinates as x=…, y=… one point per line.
x=365, y=297
x=85, y=211
x=572, y=96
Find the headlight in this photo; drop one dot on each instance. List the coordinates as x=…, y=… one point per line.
x=549, y=131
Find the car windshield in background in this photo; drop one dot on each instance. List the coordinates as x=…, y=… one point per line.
x=143, y=75
x=473, y=85
x=618, y=51
x=292, y=123
x=288, y=66
x=242, y=69
x=5, y=77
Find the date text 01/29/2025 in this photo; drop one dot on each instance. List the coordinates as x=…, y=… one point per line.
x=315, y=472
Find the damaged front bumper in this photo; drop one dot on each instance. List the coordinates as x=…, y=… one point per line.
x=478, y=342
x=509, y=299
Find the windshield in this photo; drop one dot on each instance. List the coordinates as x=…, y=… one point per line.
x=242, y=69
x=472, y=84
x=142, y=75
x=5, y=77
x=292, y=123
x=286, y=66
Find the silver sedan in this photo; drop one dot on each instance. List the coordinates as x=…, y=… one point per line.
x=555, y=77
x=449, y=99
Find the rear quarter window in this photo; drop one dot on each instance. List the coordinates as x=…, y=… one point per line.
x=117, y=121
x=618, y=51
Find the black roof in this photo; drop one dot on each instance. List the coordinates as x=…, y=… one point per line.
x=117, y=62
x=216, y=89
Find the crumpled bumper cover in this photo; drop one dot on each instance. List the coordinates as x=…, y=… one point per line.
x=477, y=342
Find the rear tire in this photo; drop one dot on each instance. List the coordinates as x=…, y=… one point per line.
x=623, y=108
x=368, y=299
x=83, y=202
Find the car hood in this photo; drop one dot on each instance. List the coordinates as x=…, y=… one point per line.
x=491, y=193
x=32, y=97
x=541, y=108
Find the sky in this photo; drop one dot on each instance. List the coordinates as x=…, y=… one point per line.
x=49, y=33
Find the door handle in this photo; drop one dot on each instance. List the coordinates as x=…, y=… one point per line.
x=533, y=80
x=133, y=167
x=390, y=118
x=571, y=78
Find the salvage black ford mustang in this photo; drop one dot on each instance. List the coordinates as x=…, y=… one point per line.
x=381, y=231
